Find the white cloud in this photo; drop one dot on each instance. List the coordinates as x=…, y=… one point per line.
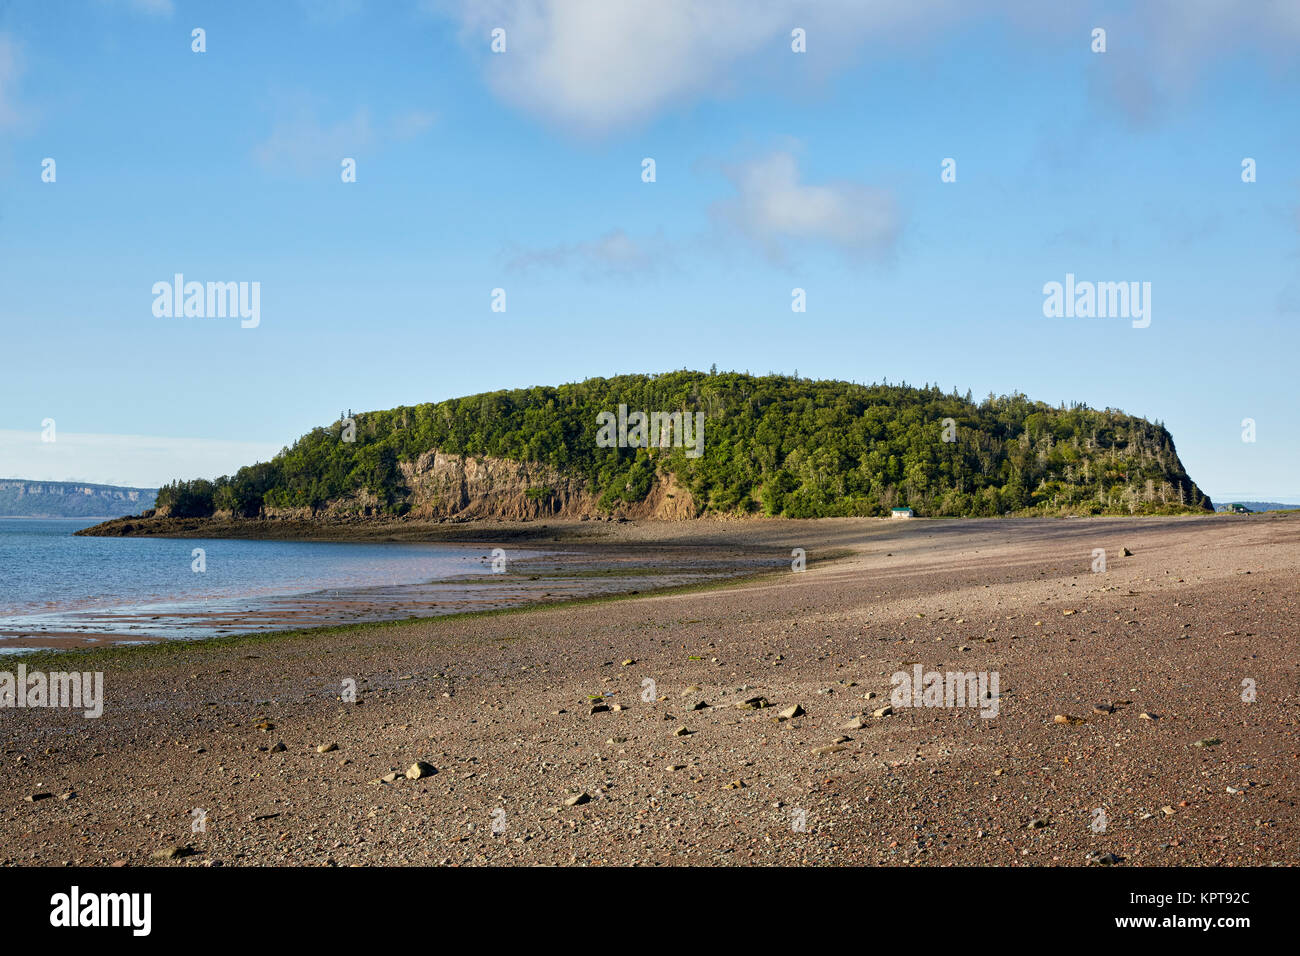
x=593, y=65
x=773, y=208
x=596, y=65
x=142, y=461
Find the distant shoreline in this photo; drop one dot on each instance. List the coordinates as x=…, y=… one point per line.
x=553, y=530
x=101, y=518
x=427, y=529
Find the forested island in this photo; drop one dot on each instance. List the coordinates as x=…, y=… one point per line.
x=772, y=445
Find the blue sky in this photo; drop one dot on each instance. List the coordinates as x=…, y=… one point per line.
x=522, y=170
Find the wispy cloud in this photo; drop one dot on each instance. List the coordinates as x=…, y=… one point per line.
x=613, y=254
x=412, y=123
x=300, y=142
x=774, y=208
x=596, y=65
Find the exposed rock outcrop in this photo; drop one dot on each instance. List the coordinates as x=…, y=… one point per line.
x=456, y=486
x=440, y=485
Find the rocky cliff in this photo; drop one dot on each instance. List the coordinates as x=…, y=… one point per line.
x=20, y=498
x=440, y=485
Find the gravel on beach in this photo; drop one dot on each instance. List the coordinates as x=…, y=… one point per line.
x=1145, y=715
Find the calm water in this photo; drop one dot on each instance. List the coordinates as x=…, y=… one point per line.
x=52, y=583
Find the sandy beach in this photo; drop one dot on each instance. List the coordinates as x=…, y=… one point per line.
x=616, y=730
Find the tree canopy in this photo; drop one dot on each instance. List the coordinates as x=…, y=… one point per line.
x=775, y=445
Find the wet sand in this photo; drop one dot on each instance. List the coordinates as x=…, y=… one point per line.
x=579, y=571
x=501, y=705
